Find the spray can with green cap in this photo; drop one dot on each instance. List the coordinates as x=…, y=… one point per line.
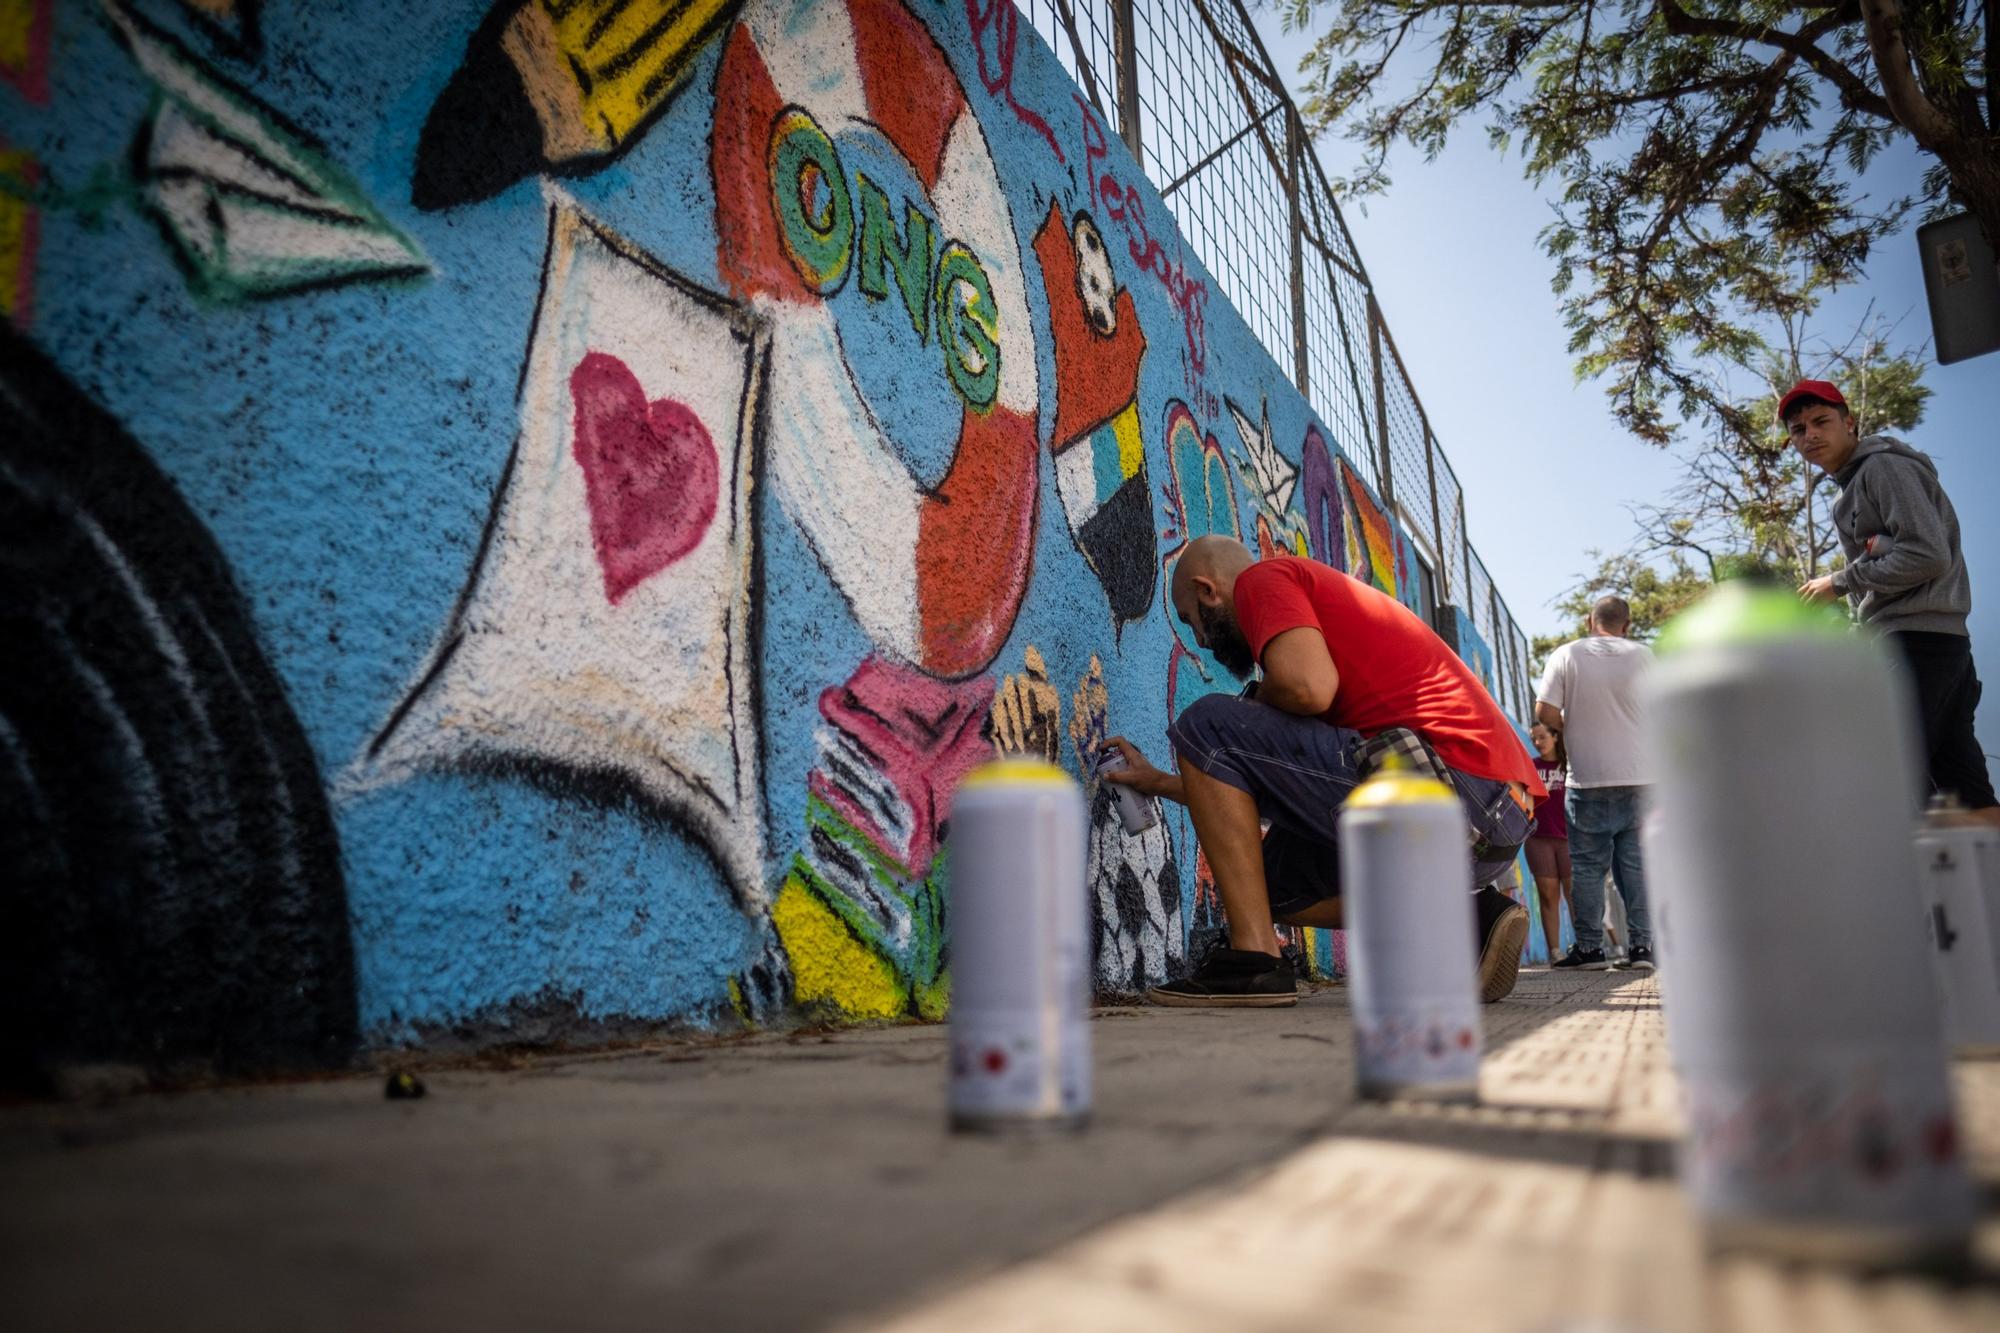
x=1407, y=882
x=1801, y=1014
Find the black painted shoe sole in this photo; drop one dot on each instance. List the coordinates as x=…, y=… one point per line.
x=1177, y=1000
x=1500, y=960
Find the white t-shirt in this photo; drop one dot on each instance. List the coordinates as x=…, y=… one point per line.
x=1596, y=682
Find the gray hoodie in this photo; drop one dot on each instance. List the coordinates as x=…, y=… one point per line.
x=1916, y=579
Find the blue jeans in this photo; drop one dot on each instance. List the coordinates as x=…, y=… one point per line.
x=1604, y=835
x=1299, y=770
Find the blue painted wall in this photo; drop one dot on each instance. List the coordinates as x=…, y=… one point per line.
x=641, y=506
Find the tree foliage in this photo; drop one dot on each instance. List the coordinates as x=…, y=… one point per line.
x=1747, y=505
x=1705, y=154
x=1746, y=499
x=1654, y=597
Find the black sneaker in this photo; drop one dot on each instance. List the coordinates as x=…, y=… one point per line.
x=1586, y=960
x=1232, y=979
x=1502, y=930
x=1639, y=960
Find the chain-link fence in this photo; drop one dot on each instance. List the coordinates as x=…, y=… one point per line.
x=1193, y=93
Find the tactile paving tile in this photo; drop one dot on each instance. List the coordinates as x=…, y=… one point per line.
x=1549, y=1208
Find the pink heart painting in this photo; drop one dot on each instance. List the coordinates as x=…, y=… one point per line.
x=649, y=473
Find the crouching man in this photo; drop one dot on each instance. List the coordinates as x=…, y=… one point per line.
x=1347, y=672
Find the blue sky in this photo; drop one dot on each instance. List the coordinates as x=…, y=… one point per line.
x=1547, y=472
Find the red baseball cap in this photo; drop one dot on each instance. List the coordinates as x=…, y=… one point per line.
x=1820, y=389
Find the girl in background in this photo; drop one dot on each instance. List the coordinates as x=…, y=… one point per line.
x=1548, y=838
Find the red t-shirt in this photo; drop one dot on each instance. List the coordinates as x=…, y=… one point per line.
x=1394, y=669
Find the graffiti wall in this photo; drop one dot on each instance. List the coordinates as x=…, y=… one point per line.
x=523, y=511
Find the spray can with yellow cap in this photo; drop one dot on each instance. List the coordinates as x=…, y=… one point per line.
x=1020, y=943
x=1407, y=884
x=1801, y=1014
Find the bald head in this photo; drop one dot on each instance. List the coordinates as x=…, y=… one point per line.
x=1204, y=594
x=1213, y=559
x=1610, y=617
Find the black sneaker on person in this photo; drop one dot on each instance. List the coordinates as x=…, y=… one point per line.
x=1232, y=979
x=1638, y=960
x=1502, y=928
x=1586, y=960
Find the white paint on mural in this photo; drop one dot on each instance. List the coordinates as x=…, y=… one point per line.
x=603, y=639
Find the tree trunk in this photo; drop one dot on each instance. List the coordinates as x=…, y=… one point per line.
x=1968, y=149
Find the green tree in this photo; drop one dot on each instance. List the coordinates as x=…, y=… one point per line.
x=1745, y=498
x=1704, y=153
x=1655, y=597
x=1747, y=505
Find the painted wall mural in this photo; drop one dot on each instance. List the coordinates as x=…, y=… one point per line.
x=531, y=508
x=173, y=888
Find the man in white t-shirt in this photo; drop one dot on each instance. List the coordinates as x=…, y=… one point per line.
x=1590, y=693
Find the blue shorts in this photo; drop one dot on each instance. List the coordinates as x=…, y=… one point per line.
x=1299, y=770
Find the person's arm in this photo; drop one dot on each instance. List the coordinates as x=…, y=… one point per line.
x=1299, y=675
x=1551, y=695
x=1140, y=775
x=1282, y=626
x=1919, y=549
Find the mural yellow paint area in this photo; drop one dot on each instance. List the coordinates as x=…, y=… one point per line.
x=1131, y=445
x=1089, y=709
x=17, y=32
x=595, y=76
x=17, y=235
x=557, y=85
x=933, y=998
x=829, y=965
x=1027, y=712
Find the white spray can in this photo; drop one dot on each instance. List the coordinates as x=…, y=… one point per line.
x=1407, y=885
x=1020, y=950
x=1800, y=1009
x=1957, y=862
x=1135, y=812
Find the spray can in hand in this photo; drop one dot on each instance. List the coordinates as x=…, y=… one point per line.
x=1135, y=812
x=1408, y=890
x=1820, y=1119
x=1020, y=950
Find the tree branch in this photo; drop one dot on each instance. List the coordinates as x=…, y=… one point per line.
x=1907, y=103
x=1854, y=90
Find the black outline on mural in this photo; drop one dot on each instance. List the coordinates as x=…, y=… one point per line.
x=604, y=786
x=214, y=819
x=848, y=261
x=246, y=43
x=928, y=492
x=142, y=173
x=484, y=46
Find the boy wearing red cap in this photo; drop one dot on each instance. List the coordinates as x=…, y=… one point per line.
x=1904, y=575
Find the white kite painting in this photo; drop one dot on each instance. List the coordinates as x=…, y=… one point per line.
x=602, y=644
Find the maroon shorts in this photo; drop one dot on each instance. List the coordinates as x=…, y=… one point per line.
x=1548, y=858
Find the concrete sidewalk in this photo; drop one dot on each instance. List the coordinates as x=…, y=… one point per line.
x=808, y=1180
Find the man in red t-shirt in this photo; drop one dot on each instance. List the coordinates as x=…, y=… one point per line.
x=1341, y=663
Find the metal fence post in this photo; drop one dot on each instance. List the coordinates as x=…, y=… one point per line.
x=1125, y=40
x=1386, y=466
x=1437, y=519
x=1465, y=547
x=1195, y=79
x=1301, y=363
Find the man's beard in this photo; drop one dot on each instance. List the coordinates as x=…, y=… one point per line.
x=1226, y=641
